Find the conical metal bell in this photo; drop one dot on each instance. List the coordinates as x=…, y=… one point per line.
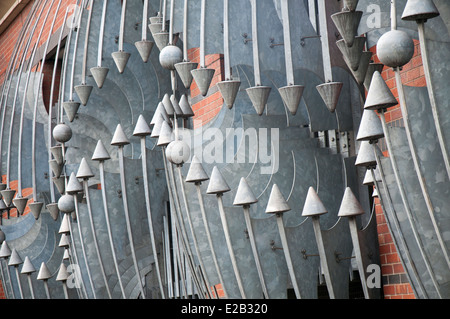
x=5, y=251
x=366, y=156
x=121, y=60
x=291, y=96
x=347, y=23
x=369, y=73
x=184, y=72
x=259, y=96
x=20, y=203
x=351, y=4
x=73, y=185
x=83, y=92
x=165, y=135
x=84, y=171
x=276, y=204
x=53, y=210
x=15, y=259
x=196, y=173
x=8, y=195
x=100, y=152
x=368, y=179
x=186, y=107
x=229, y=90
x=161, y=39
x=370, y=128
x=244, y=194
x=56, y=168
x=176, y=106
x=59, y=183
x=379, y=95
x=57, y=153
x=352, y=54
x=203, y=78
x=44, y=273
x=360, y=73
x=419, y=10
x=217, y=183
x=64, y=228
x=168, y=107
x=350, y=205
x=71, y=109
x=313, y=205
x=157, y=127
x=141, y=128
x=64, y=241
x=330, y=93
x=27, y=267
x=62, y=275
x=36, y=208
x=144, y=48
x=119, y=137
x=99, y=74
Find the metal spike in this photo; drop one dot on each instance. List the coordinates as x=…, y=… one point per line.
x=64, y=241
x=229, y=90
x=196, y=173
x=15, y=259
x=176, y=106
x=64, y=228
x=276, y=204
x=368, y=179
x=36, y=208
x=369, y=73
x=366, y=156
x=100, y=152
x=161, y=39
x=121, y=59
x=165, y=135
x=184, y=72
x=84, y=171
x=350, y=205
x=347, y=23
x=168, y=105
x=419, y=10
x=99, y=74
x=375, y=193
x=71, y=108
x=141, y=128
x=244, y=195
x=217, y=183
x=186, y=107
x=144, y=48
x=291, y=96
x=56, y=168
x=203, y=78
x=5, y=251
x=63, y=275
x=119, y=138
x=313, y=205
x=73, y=185
x=370, y=128
x=259, y=96
x=44, y=272
x=53, y=210
x=330, y=93
x=352, y=55
x=83, y=92
x=8, y=195
x=27, y=267
x=157, y=126
x=379, y=95
x=20, y=203
x=160, y=111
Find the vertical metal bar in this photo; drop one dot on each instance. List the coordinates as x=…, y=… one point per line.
x=75, y=49
x=323, y=28
x=30, y=284
x=164, y=9
x=16, y=268
x=66, y=293
x=356, y=247
x=122, y=24
x=144, y=20
x=185, y=30
x=223, y=218
x=255, y=250
x=287, y=42
x=226, y=45
x=4, y=285
x=47, y=291
x=256, y=66
x=100, y=36
x=8, y=271
x=86, y=43
x=108, y=226
x=202, y=33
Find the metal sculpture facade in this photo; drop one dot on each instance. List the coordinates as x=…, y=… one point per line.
x=129, y=201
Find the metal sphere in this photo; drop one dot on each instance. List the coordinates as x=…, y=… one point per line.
x=62, y=133
x=169, y=56
x=178, y=152
x=395, y=48
x=66, y=204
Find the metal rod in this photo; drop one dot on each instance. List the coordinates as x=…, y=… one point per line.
x=144, y=20
x=94, y=236
x=226, y=44
x=287, y=255
x=357, y=249
x=127, y=217
x=30, y=284
x=164, y=9
x=75, y=48
x=208, y=236
x=255, y=250
x=185, y=31
x=8, y=271
x=202, y=33
x=256, y=66
x=326, y=58
x=86, y=43
x=287, y=43
x=16, y=268
x=223, y=218
x=4, y=285
x=108, y=226
x=47, y=290
x=122, y=24
x=149, y=213
x=101, y=34
x=172, y=4
x=66, y=293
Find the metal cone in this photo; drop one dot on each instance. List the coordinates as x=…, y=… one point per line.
x=57, y=153
x=375, y=193
x=20, y=203
x=71, y=108
x=347, y=23
x=379, y=95
x=276, y=204
x=244, y=194
x=160, y=111
x=161, y=39
x=360, y=73
x=368, y=179
x=155, y=28
x=141, y=128
x=56, y=168
x=168, y=107
x=165, y=135
x=53, y=210
x=44, y=272
x=15, y=259
x=119, y=138
x=203, y=78
x=366, y=156
x=100, y=152
x=5, y=251
x=330, y=93
x=64, y=241
x=229, y=90
x=217, y=183
x=196, y=173
x=186, y=107
x=176, y=106
x=73, y=185
x=313, y=205
x=259, y=96
x=83, y=92
x=351, y=4
x=370, y=128
x=59, y=183
x=27, y=267
x=63, y=275
x=184, y=72
x=121, y=59
x=8, y=195
x=352, y=54
x=350, y=206
x=291, y=96
x=156, y=19
x=99, y=74
x=157, y=126
x=144, y=48
x=64, y=228
x=84, y=171
x=36, y=208
x=369, y=73
x=419, y=10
